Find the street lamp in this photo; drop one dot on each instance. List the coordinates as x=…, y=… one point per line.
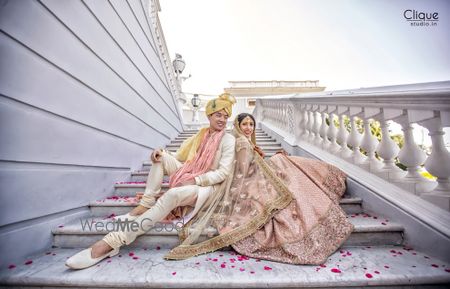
x=195, y=101
x=178, y=64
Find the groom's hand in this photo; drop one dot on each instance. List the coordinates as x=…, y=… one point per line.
x=156, y=156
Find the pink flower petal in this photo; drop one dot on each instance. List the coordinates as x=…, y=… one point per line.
x=368, y=275
x=29, y=262
x=48, y=253
x=323, y=265
x=376, y=272
x=267, y=268
x=11, y=266
x=131, y=254
x=335, y=270
x=215, y=260
x=252, y=272
x=174, y=273
x=241, y=269
x=135, y=257
x=435, y=265
x=158, y=248
x=447, y=270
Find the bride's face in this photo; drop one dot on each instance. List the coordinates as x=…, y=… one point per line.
x=247, y=126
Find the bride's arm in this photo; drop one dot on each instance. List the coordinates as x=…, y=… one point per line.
x=243, y=150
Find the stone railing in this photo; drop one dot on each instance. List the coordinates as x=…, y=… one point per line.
x=318, y=120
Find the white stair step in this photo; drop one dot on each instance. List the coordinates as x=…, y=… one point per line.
x=120, y=205
x=368, y=232
x=146, y=268
x=266, y=146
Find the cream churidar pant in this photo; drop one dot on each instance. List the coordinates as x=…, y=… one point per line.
x=175, y=197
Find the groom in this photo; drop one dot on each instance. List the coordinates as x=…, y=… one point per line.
x=208, y=157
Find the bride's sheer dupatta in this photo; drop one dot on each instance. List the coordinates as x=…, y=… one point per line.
x=243, y=203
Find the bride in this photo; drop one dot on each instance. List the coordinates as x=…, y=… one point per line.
x=285, y=209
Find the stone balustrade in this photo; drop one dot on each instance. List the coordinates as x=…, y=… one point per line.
x=319, y=119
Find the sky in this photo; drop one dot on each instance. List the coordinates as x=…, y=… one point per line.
x=344, y=44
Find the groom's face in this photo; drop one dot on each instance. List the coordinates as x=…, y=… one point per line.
x=218, y=120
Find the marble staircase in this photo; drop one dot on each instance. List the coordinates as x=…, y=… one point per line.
x=375, y=255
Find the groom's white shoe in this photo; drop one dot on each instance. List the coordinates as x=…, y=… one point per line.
x=124, y=218
x=83, y=259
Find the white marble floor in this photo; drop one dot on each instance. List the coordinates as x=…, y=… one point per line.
x=353, y=266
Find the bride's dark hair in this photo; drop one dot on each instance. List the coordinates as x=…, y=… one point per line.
x=243, y=115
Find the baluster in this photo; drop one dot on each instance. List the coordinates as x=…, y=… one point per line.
x=387, y=149
x=342, y=137
x=298, y=120
x=324, y=130
x=317, y=120
x=412, y=156
x=332, y=133
x=438, y=163
x=370, y=143
x=354, y=139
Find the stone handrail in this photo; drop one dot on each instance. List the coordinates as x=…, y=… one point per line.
x=306, y=118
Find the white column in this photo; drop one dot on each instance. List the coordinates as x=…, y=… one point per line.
x=332, y=133
x=324, y=130
x=342, y=136
x=369, y=143
x=316, y=128
x=387, y=149
x=354, y=140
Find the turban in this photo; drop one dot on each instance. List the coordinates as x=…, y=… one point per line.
x=225, y=101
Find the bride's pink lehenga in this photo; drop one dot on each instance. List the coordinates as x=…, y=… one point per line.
x=285, y=209
x=313, y=225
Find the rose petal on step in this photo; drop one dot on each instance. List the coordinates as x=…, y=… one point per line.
x=435, y=265
x=158, y=248
x=386, y=266
x=241, y=269
x=323, y=265
x=223, y=266
x=11, y=266
x=29, y=262
x=174, y=273
x=267, y=268
x=215, y=260
x=383, y=223
x=135, y=257
x=335, y=270
x=252, y=272
x=48, y=253
x=198, y=263
x=368, y=275
x=60, y=226
x=131, y=254
x=376, y=272
x=447, y=270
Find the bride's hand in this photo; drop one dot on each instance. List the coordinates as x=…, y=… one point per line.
x=259, y=151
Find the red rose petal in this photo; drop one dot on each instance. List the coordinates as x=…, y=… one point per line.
x=383, y=223
x=267, y=268
x=12, y=266
x=447, y=270
x=223, y=265
x=386, y=266
x=376, y=272
x=368, y=275
x=131, y=254
x=335, y=270
x=215, y=260
x=323, y=265
x=198, y=263
x=29, y=262
x=158, y=248
x=135, y=257
x=174, y=273
x=241, y=269
x=48, y=253
x=435, y=265
x=252, y=272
